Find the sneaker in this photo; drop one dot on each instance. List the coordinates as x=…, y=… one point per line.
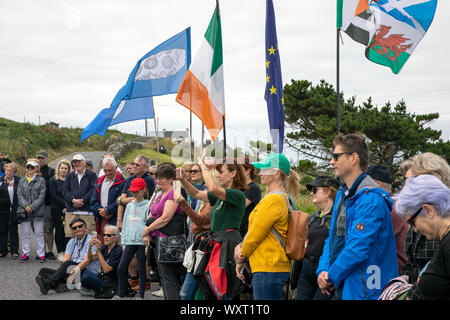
x=43, y=285
x=117, y=298
x=139, y=298
x=41, y=259
x=158, y=293
x=24, y=258
x=50, y=256
x=61, y=256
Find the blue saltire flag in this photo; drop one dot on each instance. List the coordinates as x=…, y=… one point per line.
x=159, y=72
x=274, y=85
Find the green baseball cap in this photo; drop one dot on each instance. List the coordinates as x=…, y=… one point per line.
x=274, y=160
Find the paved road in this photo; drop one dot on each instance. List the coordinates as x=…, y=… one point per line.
x=17, y=280
x=95, y=156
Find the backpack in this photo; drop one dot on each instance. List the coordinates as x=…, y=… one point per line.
x=297, y=234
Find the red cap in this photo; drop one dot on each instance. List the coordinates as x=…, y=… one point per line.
x=137, y=184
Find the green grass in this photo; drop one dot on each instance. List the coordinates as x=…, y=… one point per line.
x=22, y=141
x=149, y=153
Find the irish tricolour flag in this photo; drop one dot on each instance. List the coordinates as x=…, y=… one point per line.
x=202, y=90
x=401, y=24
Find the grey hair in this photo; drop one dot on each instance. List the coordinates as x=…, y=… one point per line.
x=146, y=160
x=109, y=160
x=421, y=190
x=114, y=229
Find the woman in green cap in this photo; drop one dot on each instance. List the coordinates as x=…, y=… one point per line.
x=269, y=264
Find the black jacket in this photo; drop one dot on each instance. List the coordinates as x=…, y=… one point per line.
x=75, y=190
x=5, y=202
x=47, y=172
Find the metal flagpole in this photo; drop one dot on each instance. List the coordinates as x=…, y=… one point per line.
x=190, y=136
x=338, y=96
x=156, y=129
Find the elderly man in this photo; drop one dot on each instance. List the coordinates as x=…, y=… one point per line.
x=103, y=200
x=78, y=188
x=47, y=172
x=140, y=165
x=75, y=255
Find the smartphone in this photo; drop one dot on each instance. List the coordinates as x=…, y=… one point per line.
x=94, y=234
x=179, y=173
x=177, y=187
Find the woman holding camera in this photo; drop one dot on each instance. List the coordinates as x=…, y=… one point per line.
x=167, y=219
x=31, y=210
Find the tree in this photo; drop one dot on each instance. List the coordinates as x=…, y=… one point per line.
x=393, y=133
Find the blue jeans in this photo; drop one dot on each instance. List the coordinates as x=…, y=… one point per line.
x=189, y=288
x=90, y=280
x=269, y=285
x=307, y=287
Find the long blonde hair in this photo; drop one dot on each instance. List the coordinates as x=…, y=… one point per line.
x=63, y=161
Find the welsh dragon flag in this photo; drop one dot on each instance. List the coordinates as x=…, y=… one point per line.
x=401, y=24
x=390, y=29
x=202, y=90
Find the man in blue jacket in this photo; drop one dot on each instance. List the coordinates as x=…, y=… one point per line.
x=77, y=193
x=360, y=254
x=106, y=191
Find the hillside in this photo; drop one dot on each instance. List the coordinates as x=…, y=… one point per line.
x=21, y=141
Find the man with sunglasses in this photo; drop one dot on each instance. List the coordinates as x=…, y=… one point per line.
x=75, y=255
x=140, y=167
x=359, y=257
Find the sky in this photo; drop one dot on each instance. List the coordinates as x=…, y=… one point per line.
x=64, y=60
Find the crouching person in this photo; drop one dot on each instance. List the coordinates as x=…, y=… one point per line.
x=105, y=283
x=75, y=255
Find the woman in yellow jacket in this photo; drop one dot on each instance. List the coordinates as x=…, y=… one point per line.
x=269, y=264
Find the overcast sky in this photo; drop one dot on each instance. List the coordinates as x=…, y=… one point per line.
x=64, y=61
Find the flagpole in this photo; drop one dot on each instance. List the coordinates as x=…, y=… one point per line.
x=190, y=135
x=338, y=95
x=156, y=129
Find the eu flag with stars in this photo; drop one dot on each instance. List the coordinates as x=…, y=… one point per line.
x=274, y=85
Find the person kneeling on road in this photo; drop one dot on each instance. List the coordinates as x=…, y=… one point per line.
x=75, y=255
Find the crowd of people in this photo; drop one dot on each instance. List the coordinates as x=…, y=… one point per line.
x=206, y=230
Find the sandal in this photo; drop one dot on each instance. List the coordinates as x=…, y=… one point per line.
x=15, y=255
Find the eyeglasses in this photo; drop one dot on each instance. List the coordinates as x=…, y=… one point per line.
x=109, y=235
x=77, y=227
x=413, y=217
x=194, y=171
x=337, y=155
x=30, y=167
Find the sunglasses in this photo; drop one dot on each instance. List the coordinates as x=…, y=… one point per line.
x=29, y=166
x=77, y=227
x=151, y=173
x=410, y=221
x=194, y=171
x=337, y=155
x=109, y=235
x=136, y=164
x=314, y=190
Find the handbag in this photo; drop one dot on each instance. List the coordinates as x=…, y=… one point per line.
x=20, y=215
x=172, y=249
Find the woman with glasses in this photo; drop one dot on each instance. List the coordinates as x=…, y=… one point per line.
x=268, y=224
x=105, y=283
x=228, y=201
x=166, y=219
x=424, y=202
x=419, y=249
x=323, y=191
x=31, y=204
x=58, y=205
